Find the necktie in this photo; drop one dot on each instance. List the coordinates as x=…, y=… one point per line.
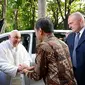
x=74, y=51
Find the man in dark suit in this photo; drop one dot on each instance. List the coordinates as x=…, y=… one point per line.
x=77, y=24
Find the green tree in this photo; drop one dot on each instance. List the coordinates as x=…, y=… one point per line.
x=60, y=12
x=21, y=14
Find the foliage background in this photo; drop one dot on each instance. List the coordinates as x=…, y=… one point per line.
x=22, y=14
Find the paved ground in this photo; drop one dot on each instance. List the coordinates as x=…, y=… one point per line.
x=37, y=82
x=19, y=81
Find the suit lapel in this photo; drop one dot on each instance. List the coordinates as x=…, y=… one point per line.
x=82, y=38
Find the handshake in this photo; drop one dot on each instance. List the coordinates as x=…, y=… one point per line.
x=25, y=69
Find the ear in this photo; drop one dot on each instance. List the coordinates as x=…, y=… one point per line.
x=41, y=32
x=81, y=20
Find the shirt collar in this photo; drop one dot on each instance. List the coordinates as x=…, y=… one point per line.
x=48, y=37
x=81, y=31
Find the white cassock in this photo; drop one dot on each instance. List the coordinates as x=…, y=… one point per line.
x=11, y=57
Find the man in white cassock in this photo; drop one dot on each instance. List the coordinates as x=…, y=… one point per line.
x=13, y=58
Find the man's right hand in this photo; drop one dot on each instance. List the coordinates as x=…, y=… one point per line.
x=20, y=68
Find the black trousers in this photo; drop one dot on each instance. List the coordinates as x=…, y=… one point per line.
x=79, y=77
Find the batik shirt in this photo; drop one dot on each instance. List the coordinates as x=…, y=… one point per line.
x=53, y=63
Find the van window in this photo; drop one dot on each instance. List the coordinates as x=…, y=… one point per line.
x=3, y=38
x=34, y=44
x=60, y=35
x=25, y=40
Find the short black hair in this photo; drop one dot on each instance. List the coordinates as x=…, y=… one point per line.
x=45, y=24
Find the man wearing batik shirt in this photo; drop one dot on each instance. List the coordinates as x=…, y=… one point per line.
x=52, y=57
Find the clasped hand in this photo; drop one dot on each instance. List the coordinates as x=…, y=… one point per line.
x=23, y=68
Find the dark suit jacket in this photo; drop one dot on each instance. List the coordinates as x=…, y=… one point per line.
x=80, y=53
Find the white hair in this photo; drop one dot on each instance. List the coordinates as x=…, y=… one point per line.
x=14, y=31
x=78, y=15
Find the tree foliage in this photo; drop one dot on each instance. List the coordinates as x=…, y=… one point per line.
x=22, y=14
x=60, y=11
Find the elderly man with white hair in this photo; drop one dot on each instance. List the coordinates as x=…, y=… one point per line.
x=13, y=58
x=76, y=44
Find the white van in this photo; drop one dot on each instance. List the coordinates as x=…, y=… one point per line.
x=29, y=41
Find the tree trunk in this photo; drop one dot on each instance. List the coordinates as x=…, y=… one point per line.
x=41, y=8
x=4, y=5
x=16, y=22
